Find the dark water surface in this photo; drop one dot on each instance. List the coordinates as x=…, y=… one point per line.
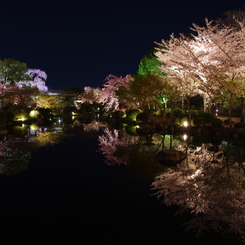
x=68, y=192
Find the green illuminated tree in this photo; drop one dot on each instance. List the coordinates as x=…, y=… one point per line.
x=150, y=64
x=12, y=71
x=146, y=92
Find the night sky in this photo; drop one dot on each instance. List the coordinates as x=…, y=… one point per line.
x=78, y=43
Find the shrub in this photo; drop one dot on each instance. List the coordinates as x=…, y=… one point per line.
x=167, y=110
x=16, y=112
x=158, y=112
x=207, y=115
x=142, y=117
x=183, y=119
x=216, y=122
x=131, y=130
x=3, y=117
x=239, y=125
x=34, y=113
x=194, y=113
x=132, y=114
x=177, y=112
x=176, y=121
x=227, y=122
x=199, y=121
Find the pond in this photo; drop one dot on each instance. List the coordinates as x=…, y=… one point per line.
x=98, y=185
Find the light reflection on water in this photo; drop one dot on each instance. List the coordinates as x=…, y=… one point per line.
x=209, y=182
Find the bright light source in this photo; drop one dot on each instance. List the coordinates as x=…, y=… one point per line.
x=185, y=123
x=185, y=137
x=34, y=113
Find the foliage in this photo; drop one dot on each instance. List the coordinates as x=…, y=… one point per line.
x=216, y=122
x=34, y=114
x=146, y=92
x=177, y=112
x=108, y=95
x=48, y=138
x=17, y=112
x=132, y=114
x=3, y=118
x=183, y=119
x=90, y=95
x=207, y=115
x=37, y=80
x=239, y=125
x=14, y=161
x=211, y=62
x=142, y=117
x=149, y=64
x=193, y=113
x=131, y=130
x=12, y=71
x=49, y=101
x=199, y=121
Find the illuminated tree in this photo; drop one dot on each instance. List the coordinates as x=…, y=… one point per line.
x=108, y=94
x=213, y=60
x=49, y=101
x=150, y=64
x=181, y=72
x=38, y=79
x=146, y=92
x=12, y=71
x=90, y=95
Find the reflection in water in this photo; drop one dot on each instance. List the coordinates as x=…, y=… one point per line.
x=13, y=161
x=209, y=183
x=210, y=186
x=48, y=138
x=93, y=126
x=20, y=141
x=109, y=142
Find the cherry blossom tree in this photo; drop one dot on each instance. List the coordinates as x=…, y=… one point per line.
x=173, y=55
x=38, y=79
x=90, y=95
x=211, y=62
x=108, y=93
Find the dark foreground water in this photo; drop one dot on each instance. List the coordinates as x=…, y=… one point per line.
x=69, y=194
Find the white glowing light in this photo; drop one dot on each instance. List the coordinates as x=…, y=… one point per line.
x=185, y=136
x=185, y=123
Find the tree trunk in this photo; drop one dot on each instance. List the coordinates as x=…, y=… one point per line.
x=242, y=109
x=230, y=110
x=204, y=102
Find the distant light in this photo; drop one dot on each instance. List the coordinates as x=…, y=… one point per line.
x=185, y=137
